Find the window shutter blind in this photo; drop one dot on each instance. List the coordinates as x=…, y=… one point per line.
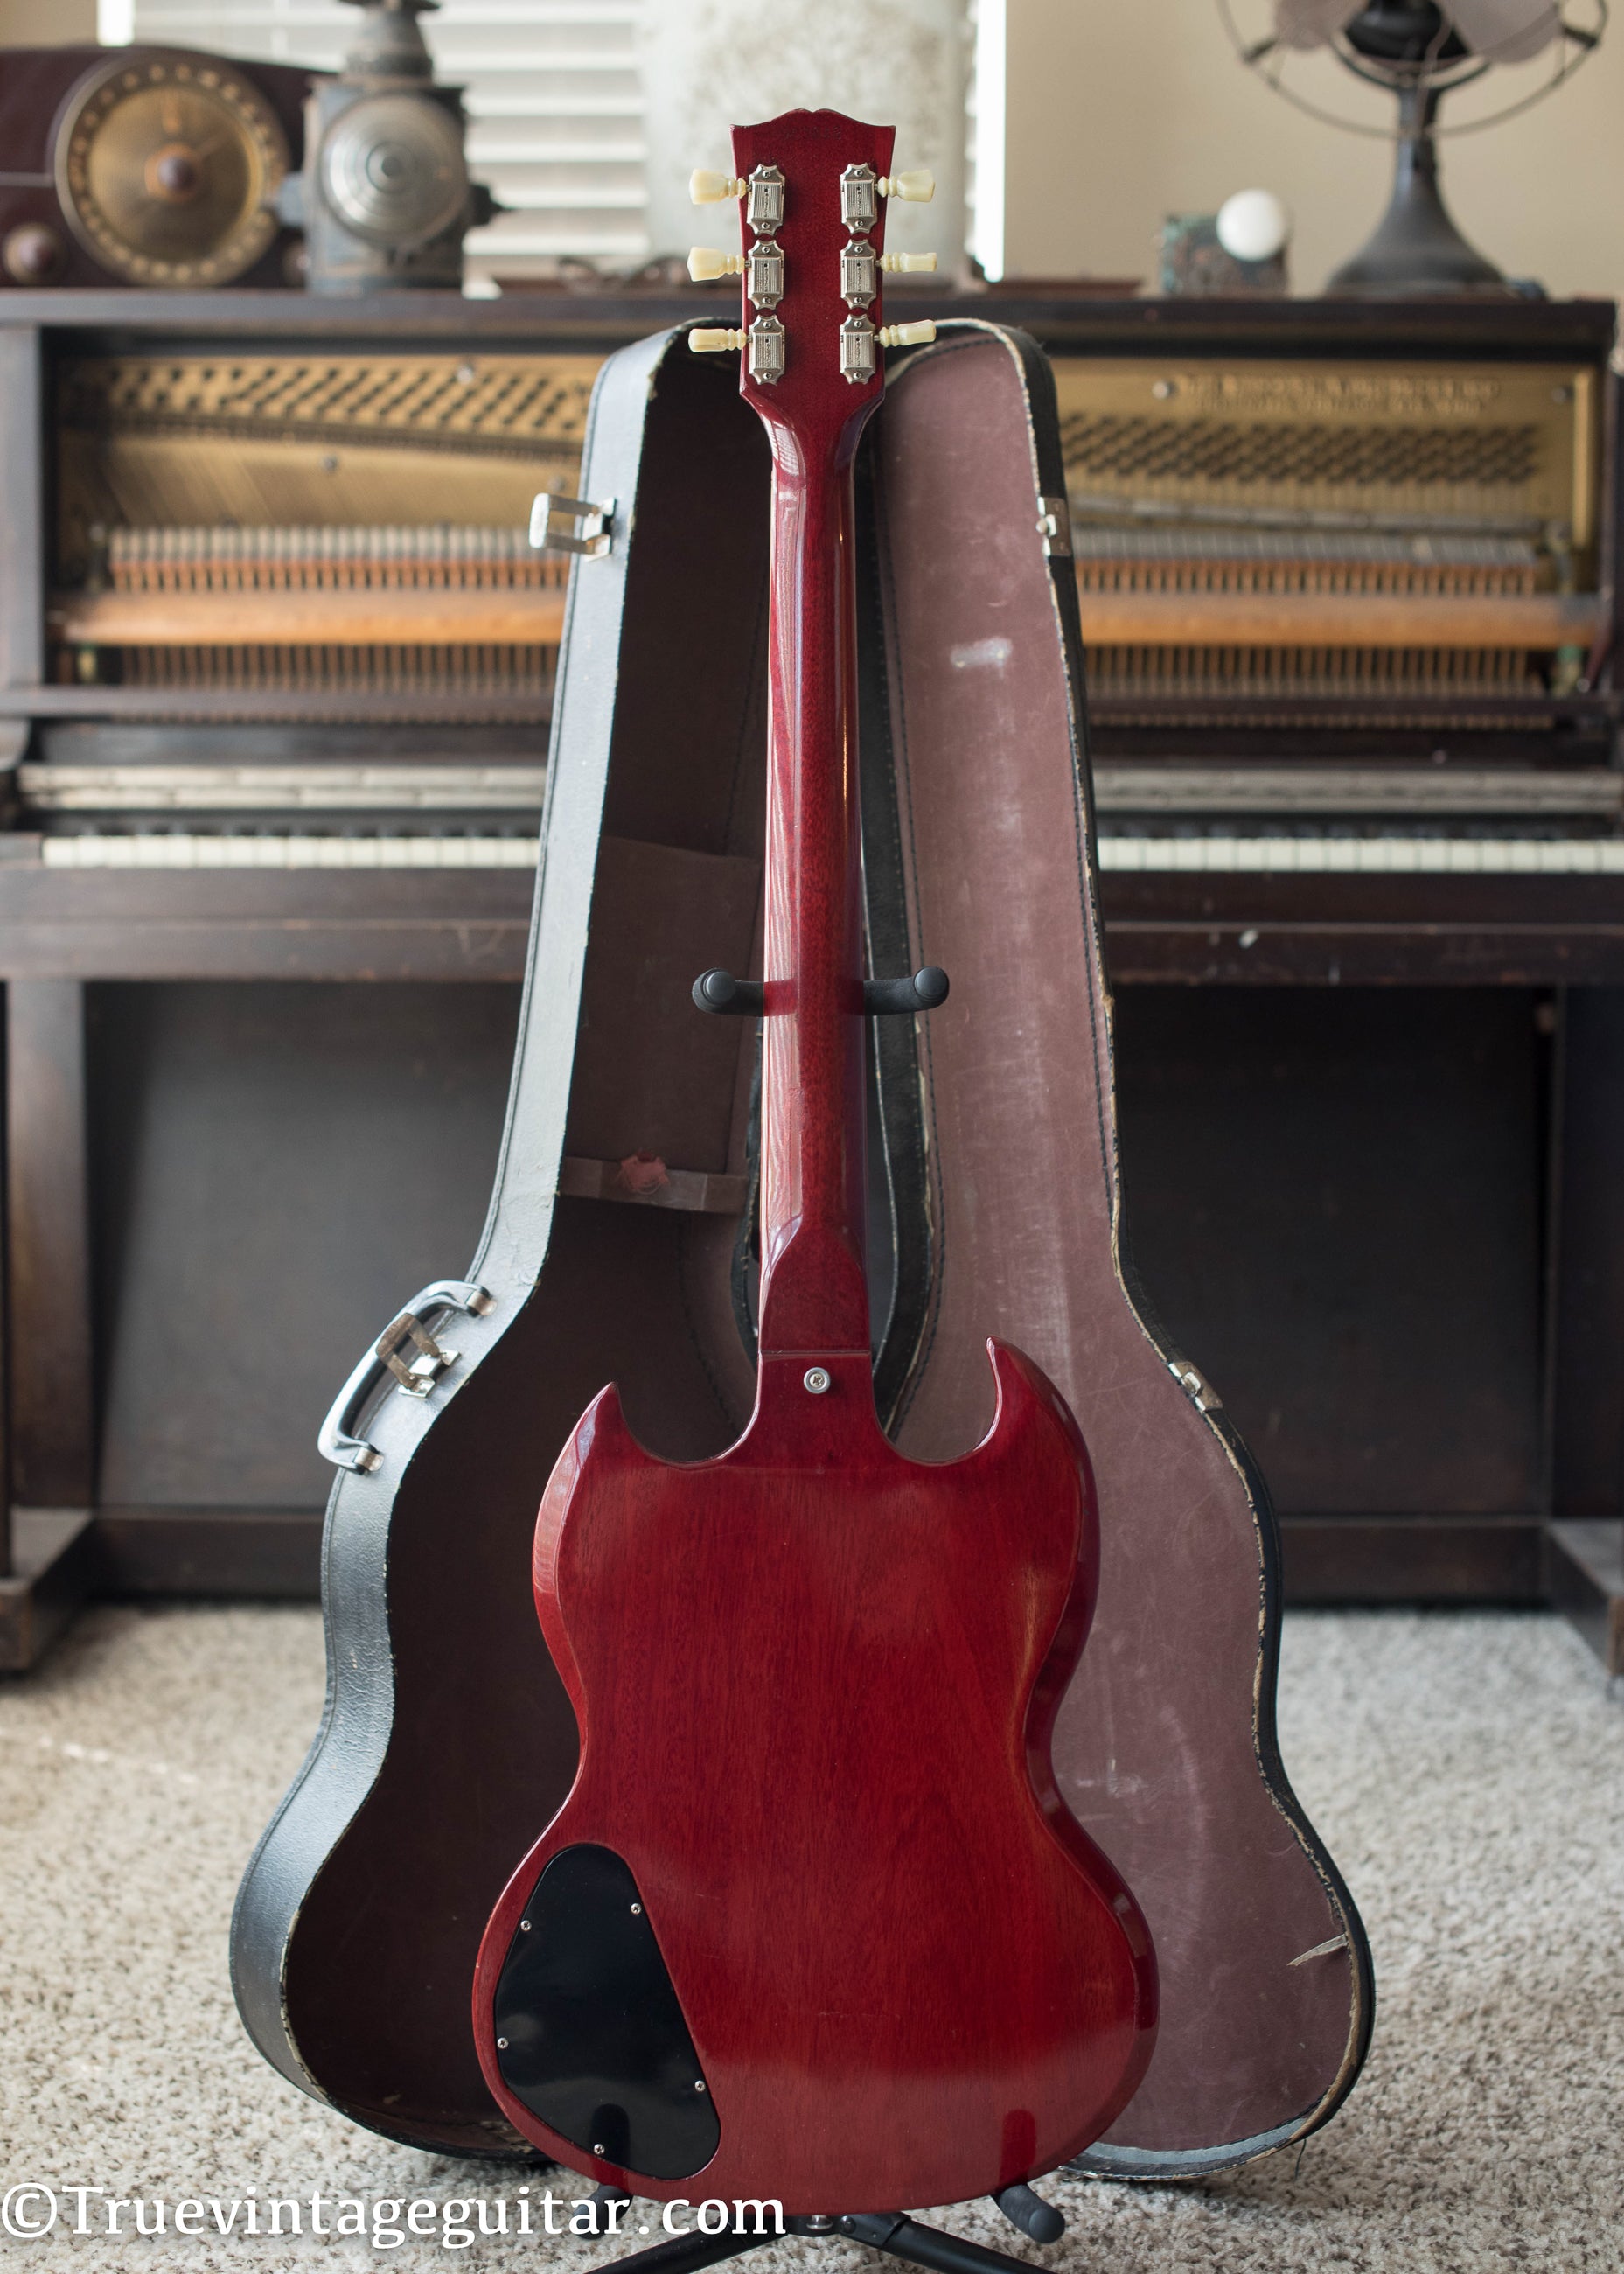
x=553, y=90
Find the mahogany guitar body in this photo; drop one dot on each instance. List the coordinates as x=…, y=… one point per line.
x=816, y=1682
x=822, y=1753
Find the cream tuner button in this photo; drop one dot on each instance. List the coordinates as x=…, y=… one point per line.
x=705, y=265
x=908, y=264
x=714, y=343
x=906, y=335
x=915, y=189
x=708, y=189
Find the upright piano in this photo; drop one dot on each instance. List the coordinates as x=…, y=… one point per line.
x=275, y=673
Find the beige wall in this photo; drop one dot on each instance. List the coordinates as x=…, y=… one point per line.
x=45, y=23
x=1122, y=110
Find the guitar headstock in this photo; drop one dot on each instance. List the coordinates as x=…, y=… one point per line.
x=811, y=187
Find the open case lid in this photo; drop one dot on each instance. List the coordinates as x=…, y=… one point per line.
x=1006, y=1191
x=447, y=1742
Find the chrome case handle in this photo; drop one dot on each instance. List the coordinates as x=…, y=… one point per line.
x=413, y=1375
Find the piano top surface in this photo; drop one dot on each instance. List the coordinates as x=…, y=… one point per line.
x=1487, y=327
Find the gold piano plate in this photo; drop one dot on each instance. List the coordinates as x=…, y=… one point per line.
x=264, y=440
x=1483, y=441
x=1259, y=531
x=1243, y=531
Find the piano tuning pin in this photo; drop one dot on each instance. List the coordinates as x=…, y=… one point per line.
x=704, y=341
x=908, y=264
x=708, y=189
x=705, y=265
x=906, y=335
x=916, y=189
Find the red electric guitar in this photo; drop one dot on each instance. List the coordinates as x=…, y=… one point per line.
x=814, y=1923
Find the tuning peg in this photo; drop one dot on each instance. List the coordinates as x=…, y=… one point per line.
x=717, y=342
x=902, y=335
x=708, y=189
x=705, y=265
x=915, y=189
x=908, y=264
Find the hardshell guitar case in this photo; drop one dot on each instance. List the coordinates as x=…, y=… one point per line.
x=618, y=1248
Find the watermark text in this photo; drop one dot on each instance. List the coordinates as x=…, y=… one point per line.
x=31, y=2209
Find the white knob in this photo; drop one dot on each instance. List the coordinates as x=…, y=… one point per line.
x=915, y=189
x=906, y=335
x=705, y=265
x=908, y=264
x=1254, y=225
x=717, y=342
x=708, y=189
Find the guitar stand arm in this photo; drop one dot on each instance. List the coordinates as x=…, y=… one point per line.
x=687, y=2252
x=926, y=2245
x=889, y=2231
x=1027, y=2211
x=883, y=998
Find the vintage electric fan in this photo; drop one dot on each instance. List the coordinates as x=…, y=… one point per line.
x=1421, y=49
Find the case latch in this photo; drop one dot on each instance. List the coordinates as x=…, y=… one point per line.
x=1054, y=527
x=591, y=535
x=417, y=1376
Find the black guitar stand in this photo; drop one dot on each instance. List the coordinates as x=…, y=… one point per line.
x=887, y=2231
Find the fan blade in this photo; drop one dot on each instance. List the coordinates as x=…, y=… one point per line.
x=1510, y=31
x=1312, y=23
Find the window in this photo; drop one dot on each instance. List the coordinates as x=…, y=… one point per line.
x=553, y=90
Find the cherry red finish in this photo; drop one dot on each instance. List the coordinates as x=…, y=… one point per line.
x=816, y=1682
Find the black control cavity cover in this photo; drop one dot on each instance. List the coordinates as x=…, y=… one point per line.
x=596, y=2043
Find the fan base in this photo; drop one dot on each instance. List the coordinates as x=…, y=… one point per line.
x=1417, y=251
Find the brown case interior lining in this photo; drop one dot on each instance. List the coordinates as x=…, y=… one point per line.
x=1155, y=1747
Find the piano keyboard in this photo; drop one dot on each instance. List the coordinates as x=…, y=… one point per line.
x=1367, y=856
x=1260, y=854
x=177, y=849
x=400, y=786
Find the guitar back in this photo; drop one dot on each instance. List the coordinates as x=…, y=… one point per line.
x=885, y=1963
x=816, y=1682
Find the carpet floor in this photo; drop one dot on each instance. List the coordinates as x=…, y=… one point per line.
x=1467, y=1772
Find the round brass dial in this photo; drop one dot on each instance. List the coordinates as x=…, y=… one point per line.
x=165, y=165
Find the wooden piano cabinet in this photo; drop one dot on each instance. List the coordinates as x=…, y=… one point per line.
x=1586, y=1379
x=275, y=1165
x=46, y=1540
x=1402, y=1260
x=47, y=1213
x=1337, y=1198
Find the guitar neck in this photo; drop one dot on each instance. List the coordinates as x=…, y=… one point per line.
x=813, y=1289
x=812, y=186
